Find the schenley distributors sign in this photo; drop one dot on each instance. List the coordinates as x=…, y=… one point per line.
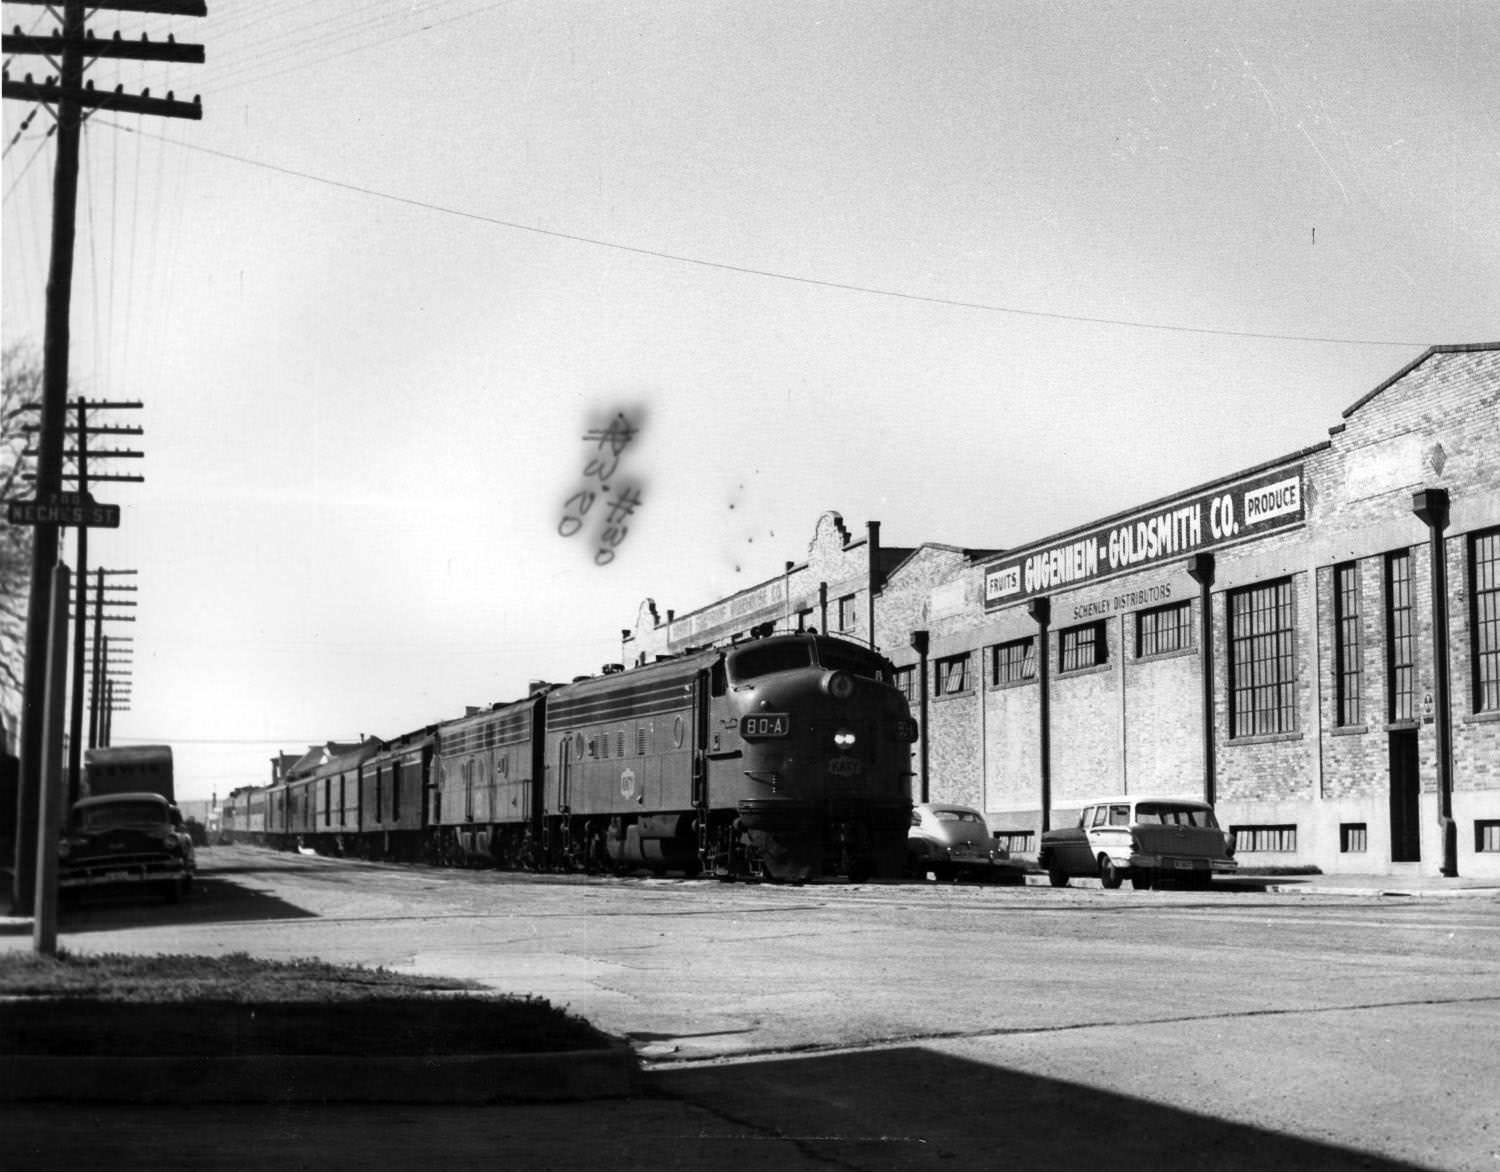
x=1258, y=506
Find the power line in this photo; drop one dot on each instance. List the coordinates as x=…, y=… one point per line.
x=723, y=266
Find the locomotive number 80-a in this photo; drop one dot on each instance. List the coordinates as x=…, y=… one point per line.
x=765, y=724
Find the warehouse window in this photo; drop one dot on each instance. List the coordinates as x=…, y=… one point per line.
x=1012, y=662
x=1262, y=694
x=1164, y=628
x=1346, y=645
x=395, y=792
x=906, y=683
x=1400, y=640
x=952, y=675
x=1083, y=646
x=1354, y=838
x=1484, y=568
x=1487, y=835
x=848, y=615
x=1250, y=840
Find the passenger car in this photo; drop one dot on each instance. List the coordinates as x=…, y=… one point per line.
x=955, y=840
x=1147, y=839
x=124, y=839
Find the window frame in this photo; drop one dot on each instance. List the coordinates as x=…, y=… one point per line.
x=1263, y=683
x=1484, y=619
x=1070, y=644
x=1006, y=668
x=942, y=674
x=1348, y=647
x=1180, y=629
x=1400, y=638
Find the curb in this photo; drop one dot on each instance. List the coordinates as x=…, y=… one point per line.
x=272, y=1078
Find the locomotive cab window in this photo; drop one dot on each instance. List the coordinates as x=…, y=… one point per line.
x=763, y=659
x=854, y=660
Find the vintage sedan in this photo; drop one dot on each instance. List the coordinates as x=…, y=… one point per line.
x=1148, y=840
x=124, y=840
x=950, y=841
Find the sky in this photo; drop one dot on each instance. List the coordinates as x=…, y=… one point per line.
x=977, y=271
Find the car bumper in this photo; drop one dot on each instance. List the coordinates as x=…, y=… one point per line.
x=104, y=875
x=1179, y=865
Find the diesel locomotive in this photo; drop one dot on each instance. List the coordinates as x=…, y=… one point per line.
x=786, y=757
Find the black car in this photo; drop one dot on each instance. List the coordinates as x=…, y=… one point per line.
x=129, y=839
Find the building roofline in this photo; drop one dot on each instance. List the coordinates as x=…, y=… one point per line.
x=1454, y=348
x=1148, y=506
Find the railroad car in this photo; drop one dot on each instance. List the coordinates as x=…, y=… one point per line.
x=787, y=757
x=486, y=780
x=330, y=807
x=393, y=798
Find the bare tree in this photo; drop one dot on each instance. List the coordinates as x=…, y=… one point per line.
x=22, y=391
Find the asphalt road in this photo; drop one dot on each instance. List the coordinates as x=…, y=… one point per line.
x=924, y=1025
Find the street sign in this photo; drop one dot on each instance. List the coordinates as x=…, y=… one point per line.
x=78, y=509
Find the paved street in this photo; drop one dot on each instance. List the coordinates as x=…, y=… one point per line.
x=901, y=1022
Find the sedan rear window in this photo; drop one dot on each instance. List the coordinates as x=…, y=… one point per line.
x=955, y=815
x=1174, y=814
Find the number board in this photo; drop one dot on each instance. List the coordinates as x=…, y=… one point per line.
x=765, y=724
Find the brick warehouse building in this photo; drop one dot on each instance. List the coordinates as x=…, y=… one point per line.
x=1282, y=641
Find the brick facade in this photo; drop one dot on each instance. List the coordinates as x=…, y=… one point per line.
x=1307, y=786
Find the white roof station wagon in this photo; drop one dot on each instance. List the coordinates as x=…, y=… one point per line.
x=1146, y=839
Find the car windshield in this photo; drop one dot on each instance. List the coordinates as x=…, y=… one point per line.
x=1175, y=814
x=120, y=814
x=764, y=658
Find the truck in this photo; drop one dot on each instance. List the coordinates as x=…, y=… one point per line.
x=128, y=769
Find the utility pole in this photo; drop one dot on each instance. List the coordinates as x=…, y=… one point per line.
x=67, y=97
x=83, y=474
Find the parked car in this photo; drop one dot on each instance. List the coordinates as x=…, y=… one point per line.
x=126, y=839
x=950, y=841
x=1146, y=839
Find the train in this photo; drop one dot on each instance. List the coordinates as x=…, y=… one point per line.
x=784, y=757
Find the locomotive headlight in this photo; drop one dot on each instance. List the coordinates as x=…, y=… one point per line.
x=844, y=739
x=839, y=685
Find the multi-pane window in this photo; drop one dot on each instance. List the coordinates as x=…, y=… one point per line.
x=1346, y=643
x=848, y=616
x=952, y=675
x=1400, y=640
x=1083, y=646
x=1485, y=562
x=1013, y=662
x=1164, y=628
x=1257, y=839
x=906, y=683
x=1263, y=694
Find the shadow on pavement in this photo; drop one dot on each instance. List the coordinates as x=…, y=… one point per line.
x=213, y=900
x=906, y=1109
x=916, y=1108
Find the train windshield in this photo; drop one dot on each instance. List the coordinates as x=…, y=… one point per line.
x=854, y=660
x=761, y=659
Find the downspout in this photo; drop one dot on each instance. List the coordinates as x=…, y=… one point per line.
x=1431, y=506
x=920, y=644
x=823, y=607
x=1200, y=568
x=1040, y=609
x=873, y=548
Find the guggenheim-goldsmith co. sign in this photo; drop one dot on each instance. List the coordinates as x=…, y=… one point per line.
x=1258, y=506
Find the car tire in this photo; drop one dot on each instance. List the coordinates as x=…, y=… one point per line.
x=1057, y=878
x=1144, y=881
x=1109, y=874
